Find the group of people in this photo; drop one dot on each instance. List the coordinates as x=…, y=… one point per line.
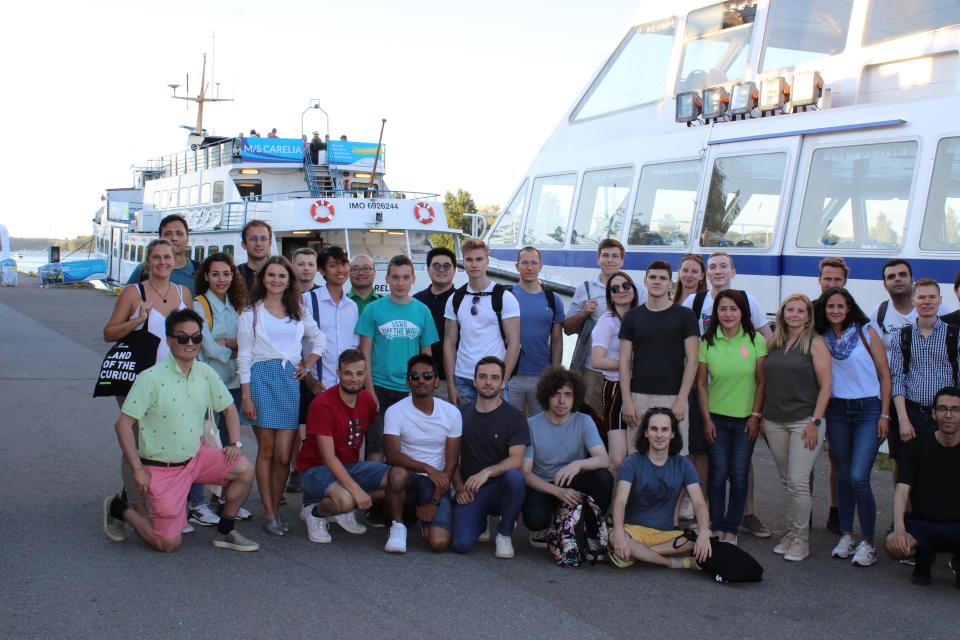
x=450, y=407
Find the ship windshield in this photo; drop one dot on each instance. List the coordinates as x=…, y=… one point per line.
x=666, y=203
x=507, y=229
x=888, y=19
x=802, y=30
x=635, y=73
x=717, y=45
x=550, y=203
x=603, y=202
x=941, y=224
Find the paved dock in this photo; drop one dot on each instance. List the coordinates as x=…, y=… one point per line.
x=61, y=578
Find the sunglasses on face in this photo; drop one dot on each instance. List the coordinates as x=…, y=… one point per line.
x=441, y=266
x=426, y=375
x=616, y=288
x=196, y=338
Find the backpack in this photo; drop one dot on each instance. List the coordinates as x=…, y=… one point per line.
x=728, y=563
x=881, y=314
x=496, y=294
x=315, y=311
x=906, y=339
x=583, y=351
x=207, y=311
x=579, y=533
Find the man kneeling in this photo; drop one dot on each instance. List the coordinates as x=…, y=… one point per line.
x=929, y=482
x=170, y=402
x=646, y=496
x=335, y=480
x=422, y=434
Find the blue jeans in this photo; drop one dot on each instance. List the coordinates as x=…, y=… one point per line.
x=730, y=456
x=468, y=391
x=852, y=434
x=501, y=496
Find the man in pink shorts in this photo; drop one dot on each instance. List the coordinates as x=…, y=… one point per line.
x=170, y=402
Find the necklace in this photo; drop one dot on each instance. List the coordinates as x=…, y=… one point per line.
x=164, y=294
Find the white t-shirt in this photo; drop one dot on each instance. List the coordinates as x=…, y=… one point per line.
x=703, y=322
x=893, y=319
x=479, y=334
x=607, y=334
x=423, y=437
x=598, y=292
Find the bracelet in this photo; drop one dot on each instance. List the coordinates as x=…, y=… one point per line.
x=756, y=415
x=884, y=417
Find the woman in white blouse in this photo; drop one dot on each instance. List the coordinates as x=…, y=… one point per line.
x=270, y=366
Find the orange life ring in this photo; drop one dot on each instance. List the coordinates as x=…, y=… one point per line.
x=420, y=208
x=326, y=205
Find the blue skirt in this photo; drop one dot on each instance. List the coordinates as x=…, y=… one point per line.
x=275, y=394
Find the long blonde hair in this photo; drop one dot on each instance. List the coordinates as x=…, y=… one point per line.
x=779, y=338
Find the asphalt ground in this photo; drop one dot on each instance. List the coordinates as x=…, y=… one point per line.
x=62, y=578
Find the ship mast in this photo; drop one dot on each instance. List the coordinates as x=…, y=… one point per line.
x=201, y=97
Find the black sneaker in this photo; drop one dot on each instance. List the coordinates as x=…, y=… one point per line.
x=833, y=521
x=921, y=570
x=375, y=516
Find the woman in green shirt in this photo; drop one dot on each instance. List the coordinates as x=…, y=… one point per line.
x=730, y=386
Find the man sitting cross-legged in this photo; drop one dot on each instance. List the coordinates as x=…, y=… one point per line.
x=335, y=480
x=170, y=401
x=422, y=434
x=646, y=496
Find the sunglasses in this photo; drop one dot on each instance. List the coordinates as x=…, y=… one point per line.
x=196, y=338
x=441, y=266
x=474, y=310
x=426, y=375
x=616, y=288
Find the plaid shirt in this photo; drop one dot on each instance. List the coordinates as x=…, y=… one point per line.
x=930, y=368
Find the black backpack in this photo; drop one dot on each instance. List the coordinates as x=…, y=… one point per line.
x=496, y=295
x=728, y=563
x=906, y=339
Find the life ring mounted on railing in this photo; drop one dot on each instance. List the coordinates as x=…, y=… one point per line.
x=424, y=212
x=321, y=204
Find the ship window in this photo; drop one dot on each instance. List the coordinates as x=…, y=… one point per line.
x=188, y=252
x=666, y=204
x=634, y=74
x=195, y=194
x=602, y=205
x=507, y=229
x=213, y=249
x=228, y=249
x=717, y=45
x=140, y=253
x=802, y=30
x=941, y=223
x=218, y=191
x=888, y=19
x=205, y=193
x=550, y=202
x=184, y=196
x=156, y=199
x=198, y=254
x=857, y=197
x=743, y=201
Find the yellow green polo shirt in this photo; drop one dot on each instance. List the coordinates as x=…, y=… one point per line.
x=171, y=408
x=732, y=365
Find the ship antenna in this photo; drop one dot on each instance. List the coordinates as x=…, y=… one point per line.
x=201, y=97
x=373, y=174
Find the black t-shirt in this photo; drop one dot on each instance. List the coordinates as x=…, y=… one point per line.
x=933, y=473
x=436, y=303
x=658, y=349
x=952, y=318
x=487, y=437
x=248, y=276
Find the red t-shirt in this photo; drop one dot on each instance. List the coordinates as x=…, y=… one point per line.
x=329, y=416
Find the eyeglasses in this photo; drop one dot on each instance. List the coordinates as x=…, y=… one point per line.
x=426, y=375
x=951, y=411
x=441, y=266
x=258, y=238
x=196, y=338
x=361, y=269
x=529, y=263
x=616, y=288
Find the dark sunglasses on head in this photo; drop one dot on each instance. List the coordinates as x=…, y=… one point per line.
x=196, y=338
x=615, y=288
x=426, y=375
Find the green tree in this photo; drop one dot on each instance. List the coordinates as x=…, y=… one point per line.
x=455, y=206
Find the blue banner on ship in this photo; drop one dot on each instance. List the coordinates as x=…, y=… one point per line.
x=272, y=150
x=355, y=155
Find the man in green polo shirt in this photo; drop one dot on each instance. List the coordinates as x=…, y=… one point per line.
x=362, y=274
x=170, y=401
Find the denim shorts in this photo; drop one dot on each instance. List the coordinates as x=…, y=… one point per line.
x=419, y=493
x=316, y=480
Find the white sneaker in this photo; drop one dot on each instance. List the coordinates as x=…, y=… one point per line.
x=845, y=547
x=187, y=529
x=348, y=522
x=686, y=509
x=865, y=555
x=397, y=542
x=203, y=515
x=504, y=546
x=784, y=545
x=487, y=534
x=316, y=527
x=243, y=514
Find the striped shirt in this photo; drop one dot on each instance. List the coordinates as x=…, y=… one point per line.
x=929, y=369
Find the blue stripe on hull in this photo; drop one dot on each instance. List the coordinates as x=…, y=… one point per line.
x=943, y=270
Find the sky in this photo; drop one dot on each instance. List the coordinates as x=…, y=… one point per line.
x=470, y=91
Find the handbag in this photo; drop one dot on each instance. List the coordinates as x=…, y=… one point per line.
x=129, y=356
x=583, y=351
x=730, y=563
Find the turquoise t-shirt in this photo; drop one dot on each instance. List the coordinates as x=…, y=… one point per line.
x=732, y=365
x=398, y=331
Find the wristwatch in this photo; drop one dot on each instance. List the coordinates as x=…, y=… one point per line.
x=435, y=502
x=816, y=421
x=237, y=444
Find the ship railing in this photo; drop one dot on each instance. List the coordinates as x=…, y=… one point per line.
x=388, y=194
x=199, y=158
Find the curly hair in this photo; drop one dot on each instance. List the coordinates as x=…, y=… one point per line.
x=237, y=293
x=643, y=443
x=557, y=378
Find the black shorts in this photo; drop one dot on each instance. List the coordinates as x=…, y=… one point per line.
x=698, y=440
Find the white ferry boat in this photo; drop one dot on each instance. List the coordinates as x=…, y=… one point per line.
x=219, y=183
x=779, y=131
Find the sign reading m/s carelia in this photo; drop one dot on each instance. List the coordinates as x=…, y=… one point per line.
x=272, y=150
